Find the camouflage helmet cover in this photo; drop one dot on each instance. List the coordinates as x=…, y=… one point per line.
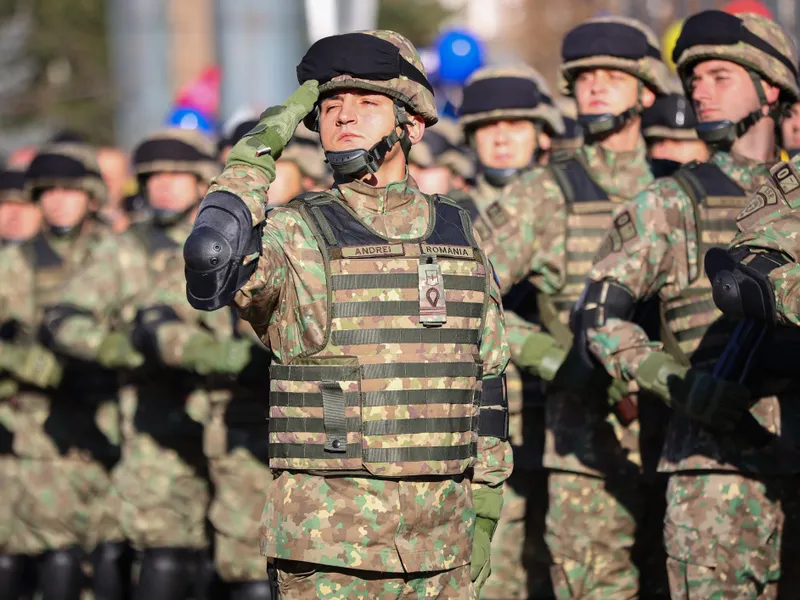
x=69, y=165
x=544, y=111
x=620, y=43
x=753, y=41
x=176, y=150
x=413, y=94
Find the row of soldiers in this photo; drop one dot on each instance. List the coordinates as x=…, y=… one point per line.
x=126, y=409
x=107, y=442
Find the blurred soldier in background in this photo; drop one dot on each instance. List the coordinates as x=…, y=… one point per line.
x=790, y=130
x=438, y=163
x=597, y=485
x=68, y=438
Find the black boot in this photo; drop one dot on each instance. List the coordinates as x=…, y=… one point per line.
x=60, y=574
x=164, y=574
x=251, y=590
x=112, y=571
x=11, y=569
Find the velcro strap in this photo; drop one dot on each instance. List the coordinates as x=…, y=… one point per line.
x=493, y=423
x=333, y=403
x=493, y=392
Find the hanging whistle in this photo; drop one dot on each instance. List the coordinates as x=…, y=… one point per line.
x=432, y=306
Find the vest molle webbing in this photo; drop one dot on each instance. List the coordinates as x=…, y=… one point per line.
x=693, y=329
x=589, y=216
x=388, y=394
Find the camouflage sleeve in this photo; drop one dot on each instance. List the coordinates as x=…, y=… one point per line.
x=495, y=460
x=16, y=301
x=285, y=300
x=103, y=290
x=771, y=221
x=650, y=249
x=518, y=223
x=248, y=182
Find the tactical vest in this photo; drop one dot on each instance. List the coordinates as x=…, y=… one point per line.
x=590, y=213
x=395, y=389
x=50, y=270
x=692, y=328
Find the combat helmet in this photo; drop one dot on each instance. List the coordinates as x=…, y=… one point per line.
x=379, y=61
x=619, y=43
x=756, y=43
x=12, y=186
x=175, y=150
x=66, y=165
x=671, y=117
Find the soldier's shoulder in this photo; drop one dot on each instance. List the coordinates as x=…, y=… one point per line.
x=664, y=192
x=534, y=184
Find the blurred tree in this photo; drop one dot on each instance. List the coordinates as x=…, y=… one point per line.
x=418, y=20
x=65, y=51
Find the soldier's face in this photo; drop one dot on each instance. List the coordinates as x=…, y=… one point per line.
x=355, y=119
x=790, y=128
x=506, y=144
x=435, y=180
x=173, y=191
x=63, y=207
x=19, y=221
x=722, y=90
x=288, y=183
x=605, y=91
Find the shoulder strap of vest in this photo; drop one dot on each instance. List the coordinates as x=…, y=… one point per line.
x=152, y=238
x=453, y=224
x=575, y=181
x=337, y=226
x=466, y=201
x=40, y=254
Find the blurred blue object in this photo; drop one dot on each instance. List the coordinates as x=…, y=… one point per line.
x=190, y=118
x=460, y=53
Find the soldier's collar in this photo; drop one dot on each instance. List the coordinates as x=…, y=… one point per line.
x=362, y=196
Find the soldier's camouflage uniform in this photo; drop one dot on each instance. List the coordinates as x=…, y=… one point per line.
x=392, y=522
x=723, y=525
x=67, y=439
x=553, y=220
x=521, y=562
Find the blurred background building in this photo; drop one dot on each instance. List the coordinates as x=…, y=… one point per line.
x=116, y=69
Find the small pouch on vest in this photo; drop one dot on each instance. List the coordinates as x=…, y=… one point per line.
x=333, y=405
x=432, y=307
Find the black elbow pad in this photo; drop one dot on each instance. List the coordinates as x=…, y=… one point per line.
x=223, y=235
x=740, y=282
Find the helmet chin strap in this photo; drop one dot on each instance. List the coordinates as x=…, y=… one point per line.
x=352, y=163
x=595, y=126
x=724, y=133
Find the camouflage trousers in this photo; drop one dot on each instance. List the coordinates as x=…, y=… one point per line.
x=731, y=536
x=604, y=536
x=63, y=501
x=163, y=494
x=520, y=559
x=301, y=581
x=240, y=489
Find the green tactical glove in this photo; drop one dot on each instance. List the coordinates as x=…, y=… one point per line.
x=32, y=364
x=488, y=503
x=717, y=403
x=541, y=356
x=205, y=355
x=117, y=352
x=276, y=126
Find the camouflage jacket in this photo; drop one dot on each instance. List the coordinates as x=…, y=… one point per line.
x=774, y=225
x=657, y=258
x=582, y=436
x=372, y=524
x=526, y=438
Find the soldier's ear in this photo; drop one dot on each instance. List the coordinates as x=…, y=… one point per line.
x=648, y=97
x=772, y=92
x=415, y=128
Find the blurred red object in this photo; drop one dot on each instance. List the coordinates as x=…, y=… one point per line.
x=748, y=6
x=203, y=93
